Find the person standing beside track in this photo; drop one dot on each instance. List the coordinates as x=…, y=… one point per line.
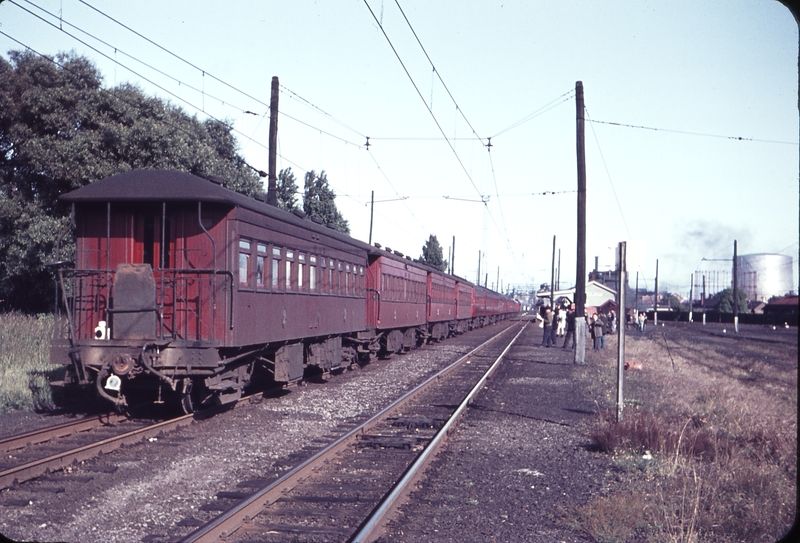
x=548, y=339
x=561, y=319
x=570, y=327
x=597, y=332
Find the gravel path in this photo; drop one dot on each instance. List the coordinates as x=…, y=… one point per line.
x=518, y=461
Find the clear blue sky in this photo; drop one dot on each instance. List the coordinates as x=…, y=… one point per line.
x=697, y=74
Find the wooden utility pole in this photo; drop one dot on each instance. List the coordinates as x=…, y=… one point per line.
x=622, y=270
x=691, y=296
x=580, y=267
x=453, y=258
x=703, y=300
x=553, y=276
x=655, y=299
x=272, y=193
x=478, y=278
x=735, y=288
x=558, y=272
x=371, y=214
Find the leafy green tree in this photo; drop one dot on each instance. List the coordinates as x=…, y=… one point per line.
x=675, y=303
x=432, y=254
x=319, y=201
x=60, y=129
x=725, y=300
x=286, y=190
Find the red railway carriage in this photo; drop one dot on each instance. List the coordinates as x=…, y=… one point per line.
x=184, y=285
x=396, y=307
x=464, y=296
x=442, y=302
x=183, y=288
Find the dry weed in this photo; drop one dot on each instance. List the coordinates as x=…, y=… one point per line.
x=712, y=437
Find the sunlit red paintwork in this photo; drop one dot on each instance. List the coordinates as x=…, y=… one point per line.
x=181, y=280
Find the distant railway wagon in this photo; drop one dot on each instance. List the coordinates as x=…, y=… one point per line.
x=182, y=289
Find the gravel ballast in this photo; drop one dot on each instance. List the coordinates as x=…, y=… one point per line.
x=164, y=482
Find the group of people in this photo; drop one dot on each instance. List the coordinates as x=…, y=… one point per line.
x=561, y=323
x=639, y=319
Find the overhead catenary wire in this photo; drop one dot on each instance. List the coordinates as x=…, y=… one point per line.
x=122, y=52
x=117, y=97
x=430, y=111
x=202, y=91
x=567, y=96
x=179, y=98
x=179, y=81
x=736, y=138
x=460, y=111
x=419, y=93
x=187, y=102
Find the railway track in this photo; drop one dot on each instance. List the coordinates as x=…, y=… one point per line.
x=35, y=453
x=350, y=488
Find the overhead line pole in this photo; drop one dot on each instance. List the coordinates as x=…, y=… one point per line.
x=453, y=258
x=622, y=270
x=655, y=299
x=272, y=183
x=580, y=268
x=735, y=288
x=371, y=213
x=553, y=276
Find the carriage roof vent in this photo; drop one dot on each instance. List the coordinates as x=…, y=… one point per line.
x=260, y=196
x=398, y=253
x=378, y=245
x=299, y=213
x=316, y=220
x=217, y=180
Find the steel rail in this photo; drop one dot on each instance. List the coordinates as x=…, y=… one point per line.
x=60, y=460
x=42, y=435
x=229, y=521
x=373, y=527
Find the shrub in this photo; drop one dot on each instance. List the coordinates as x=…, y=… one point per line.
x=25, y=361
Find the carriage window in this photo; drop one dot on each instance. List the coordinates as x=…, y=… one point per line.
x=276, y=266
x=312, y=272
x=331, y=285
x=244, y=261
x=289, y=266
x=301, y=264
x=260, y=259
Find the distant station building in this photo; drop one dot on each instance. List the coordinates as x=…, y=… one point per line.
x=597, y=294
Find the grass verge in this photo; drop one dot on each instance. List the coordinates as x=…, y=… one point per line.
x=708, y=450
x=25, y=361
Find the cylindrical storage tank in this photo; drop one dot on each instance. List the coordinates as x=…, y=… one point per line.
x=763, y=276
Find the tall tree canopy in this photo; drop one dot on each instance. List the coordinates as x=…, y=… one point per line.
x=432, y=254
x=286, y=190
x=60, y=129
x=725, y=300
x=318, y=202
